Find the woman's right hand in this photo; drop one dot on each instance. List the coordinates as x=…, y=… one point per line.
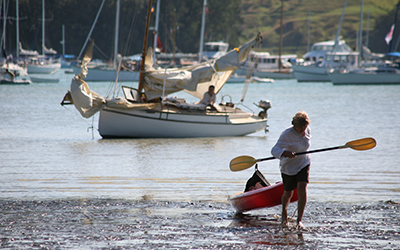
x=288, y=154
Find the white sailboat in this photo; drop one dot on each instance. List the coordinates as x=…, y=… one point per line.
x=41, y=64
x=322, y=58
x=149, y=114
x=9, y=69
x=375, y=72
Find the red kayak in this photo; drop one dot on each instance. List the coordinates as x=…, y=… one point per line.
x=269, y=196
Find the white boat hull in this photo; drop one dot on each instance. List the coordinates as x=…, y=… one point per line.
x=155, y=124
x=310, y=73
x=104, y=74
x=272, y=74
x=43, y=68
x=364, y=78
x=44, y=80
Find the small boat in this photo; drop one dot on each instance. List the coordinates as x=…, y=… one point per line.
x=264, y=65
x=372, y=75
x=241, y=79
x=269, y=196
x=14, y=81
x=44, y=80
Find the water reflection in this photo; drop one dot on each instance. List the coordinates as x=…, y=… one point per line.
x=268, y=231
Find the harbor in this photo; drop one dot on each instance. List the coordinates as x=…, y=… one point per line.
x=152, y=193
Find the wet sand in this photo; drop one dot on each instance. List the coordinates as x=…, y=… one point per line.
x=149, y=224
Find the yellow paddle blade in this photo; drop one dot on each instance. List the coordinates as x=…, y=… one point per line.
x=241, y=163
x=361, y=144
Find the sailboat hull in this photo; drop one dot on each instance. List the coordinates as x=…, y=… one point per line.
x=310, y=73
x=43, y=68
x=119, y=123
x=373, y=77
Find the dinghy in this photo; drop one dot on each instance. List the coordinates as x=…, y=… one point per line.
x=265, y=197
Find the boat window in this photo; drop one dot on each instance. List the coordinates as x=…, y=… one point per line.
x=130, y=94
x=212, y=48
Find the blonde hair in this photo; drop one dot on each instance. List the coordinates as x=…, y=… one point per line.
x=301, y=119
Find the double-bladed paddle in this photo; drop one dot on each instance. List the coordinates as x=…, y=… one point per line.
x=244, y=162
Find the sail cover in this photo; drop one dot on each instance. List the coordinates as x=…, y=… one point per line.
x=195, y=80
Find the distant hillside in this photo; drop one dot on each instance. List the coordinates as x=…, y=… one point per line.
x=234, y=21
x=264, y=16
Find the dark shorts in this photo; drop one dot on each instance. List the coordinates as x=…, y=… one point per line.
x=290, y=181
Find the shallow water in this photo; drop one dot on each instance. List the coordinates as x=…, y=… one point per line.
x=143, y=224
x=50, y=155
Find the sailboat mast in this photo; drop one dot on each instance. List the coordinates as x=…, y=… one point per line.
x=280, y=38
x=116, y=35
x=63, y=40
x=91, y=29
x=17, y=12
x=3, y=37
x=360, y=35
x=338, y=30
x=203, y=22
x=146, y=33
x=43, y=32
x=308, y=31
x=367, y=35
x=156, y=32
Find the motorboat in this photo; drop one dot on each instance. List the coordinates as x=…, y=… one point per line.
x=265, y=65
x=322, y=58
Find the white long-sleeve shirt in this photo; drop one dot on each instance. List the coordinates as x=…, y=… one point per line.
x=291, y=140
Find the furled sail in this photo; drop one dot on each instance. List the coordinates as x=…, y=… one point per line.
x=87, y=102
x=193, y=79
x=196, y=79
x=24, y=52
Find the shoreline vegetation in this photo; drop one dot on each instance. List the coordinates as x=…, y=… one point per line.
x=234, y=21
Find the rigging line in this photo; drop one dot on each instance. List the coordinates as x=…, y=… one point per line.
x=133, y=24
x=101, y=52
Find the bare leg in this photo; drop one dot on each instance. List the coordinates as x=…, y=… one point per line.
x=287, y=195
x=301, y=203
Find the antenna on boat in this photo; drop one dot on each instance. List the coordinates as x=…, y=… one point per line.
x=146, y=33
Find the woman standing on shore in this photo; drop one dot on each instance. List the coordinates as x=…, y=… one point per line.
x=294, y=169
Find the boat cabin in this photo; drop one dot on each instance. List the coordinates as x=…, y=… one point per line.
x=266, y=61
x=215, y=49
x=318, y=50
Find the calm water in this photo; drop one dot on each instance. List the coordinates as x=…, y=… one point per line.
x=49, y=153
